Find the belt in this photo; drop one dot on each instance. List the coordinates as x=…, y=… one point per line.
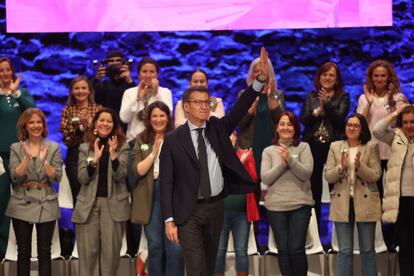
x=34, y=185
x=210, y=199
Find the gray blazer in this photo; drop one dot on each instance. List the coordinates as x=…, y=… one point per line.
x=118, y=196
x=29, y=204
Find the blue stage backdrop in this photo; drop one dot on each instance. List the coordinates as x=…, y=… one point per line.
x=49, y=61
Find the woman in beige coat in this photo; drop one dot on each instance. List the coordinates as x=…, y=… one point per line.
x=34, y=164
x=353, y=165
x=146, y=207
x=102, y=205
x=398, y=203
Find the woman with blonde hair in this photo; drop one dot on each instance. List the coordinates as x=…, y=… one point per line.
x=35, y=163
x=382, y=95
x=75, y=121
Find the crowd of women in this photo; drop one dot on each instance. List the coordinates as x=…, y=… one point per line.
x=351, y=152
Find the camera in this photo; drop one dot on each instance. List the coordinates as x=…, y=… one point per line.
x=112, y=70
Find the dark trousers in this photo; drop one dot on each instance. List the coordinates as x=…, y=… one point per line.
x=289, y=229
x=23, y=231
x=199, y=237
x=405, y=234
x=319, y=154
x=72, y=158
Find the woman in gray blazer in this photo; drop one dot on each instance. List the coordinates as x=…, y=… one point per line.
x=102, y=205
x=146, y=207
x=34, y=164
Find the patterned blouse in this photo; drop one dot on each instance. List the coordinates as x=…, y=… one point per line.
x=70, y=123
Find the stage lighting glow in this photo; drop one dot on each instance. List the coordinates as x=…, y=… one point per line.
x=189, y=15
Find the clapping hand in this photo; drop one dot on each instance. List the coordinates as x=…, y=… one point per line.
x=357, y=162
x=83, y=117
x=157, y=145
x=390, y=87
x=246, y=153
x=284, y=153
x=43, y=153
x=14, y=85
x=26, y=149
x=270, y=87
x=369, y=95
x=113, y=145
x=263, y=66
x=97, y=150
x=155, y=85
x=323, y=96
x=344, y=159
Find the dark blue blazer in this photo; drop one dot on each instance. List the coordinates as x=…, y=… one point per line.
x=179, y=168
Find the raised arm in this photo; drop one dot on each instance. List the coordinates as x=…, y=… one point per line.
x=246, y=99
x=381, y=129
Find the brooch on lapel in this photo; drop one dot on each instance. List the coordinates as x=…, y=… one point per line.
x=144, y=147
x=373, y=188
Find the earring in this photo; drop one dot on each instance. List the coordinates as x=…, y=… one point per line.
x=95, y=132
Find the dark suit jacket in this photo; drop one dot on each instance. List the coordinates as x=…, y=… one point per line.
x=334, y=115
x=179, y=169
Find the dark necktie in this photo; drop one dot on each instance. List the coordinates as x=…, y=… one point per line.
x=205, y=189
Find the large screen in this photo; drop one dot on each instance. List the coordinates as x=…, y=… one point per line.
x=187, y=15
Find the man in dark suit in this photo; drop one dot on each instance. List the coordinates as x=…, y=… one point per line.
x=198, y=168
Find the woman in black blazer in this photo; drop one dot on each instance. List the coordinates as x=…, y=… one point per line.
x=323, y=116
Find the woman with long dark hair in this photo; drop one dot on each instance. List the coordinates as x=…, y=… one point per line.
x=102, y=206
x=164, y=257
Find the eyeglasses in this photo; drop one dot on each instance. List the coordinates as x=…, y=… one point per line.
x=200, y=103
x=356, y=126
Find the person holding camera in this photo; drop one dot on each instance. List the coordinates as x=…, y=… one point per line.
x=113, y=77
